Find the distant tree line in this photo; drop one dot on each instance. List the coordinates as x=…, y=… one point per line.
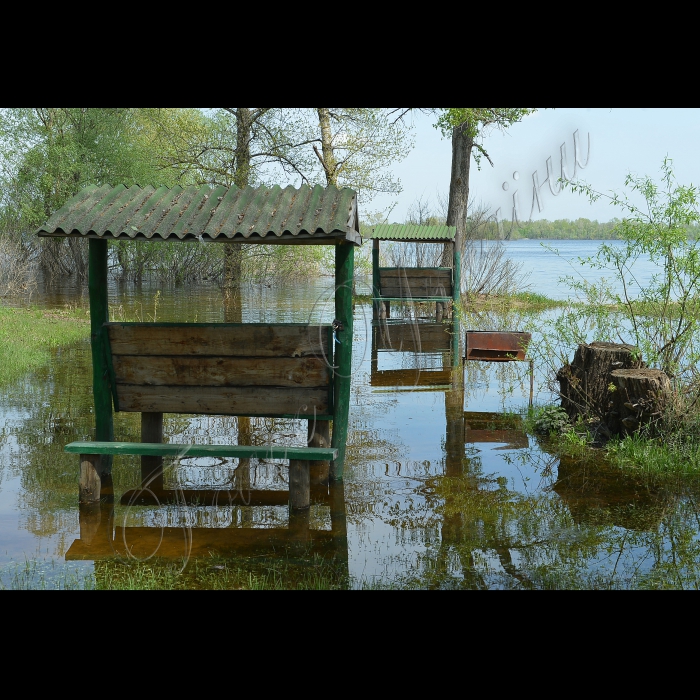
x=559, y=229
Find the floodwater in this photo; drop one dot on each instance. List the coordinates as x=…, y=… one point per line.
x=443, y=486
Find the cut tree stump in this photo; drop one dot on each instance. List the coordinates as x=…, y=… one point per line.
x=584, y=384
x=638, y=399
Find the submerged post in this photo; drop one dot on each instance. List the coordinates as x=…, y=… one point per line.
x=99, y=314
x=344, y=269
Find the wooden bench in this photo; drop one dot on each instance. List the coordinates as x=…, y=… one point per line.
x=269, y=370
x=416, y=284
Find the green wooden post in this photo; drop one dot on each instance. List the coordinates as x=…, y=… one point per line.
x=99, y=314
x=344, y=268
x=456, y=285
x=375, y=277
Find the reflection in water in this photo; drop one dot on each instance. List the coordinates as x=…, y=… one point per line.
x=443, y=486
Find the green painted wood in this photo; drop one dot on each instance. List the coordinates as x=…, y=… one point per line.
x=344, y=269
x=156, y=449
x=110, y=367
x=99, y=314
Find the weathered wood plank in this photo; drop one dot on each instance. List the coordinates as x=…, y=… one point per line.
x=182, y=450
x=232, y=401
x=221, y=371
x=413, y=337
x=221, y=339
x=443, y=273
x=417, y=288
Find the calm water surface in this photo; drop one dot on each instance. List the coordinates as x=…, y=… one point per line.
x=443, y=487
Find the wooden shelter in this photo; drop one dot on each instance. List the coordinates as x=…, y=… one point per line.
x=440, y=285
x=278, y=370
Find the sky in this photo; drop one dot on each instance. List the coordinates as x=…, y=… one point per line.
x=622, y=141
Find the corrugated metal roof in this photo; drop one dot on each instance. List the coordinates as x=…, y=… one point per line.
x=413, y=232
x=250, y=215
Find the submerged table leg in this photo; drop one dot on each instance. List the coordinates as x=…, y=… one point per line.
x=299, y=484
x=90, y=478
x=319, y=436
x=152, y=467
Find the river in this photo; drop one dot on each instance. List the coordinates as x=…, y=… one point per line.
x=443, y=488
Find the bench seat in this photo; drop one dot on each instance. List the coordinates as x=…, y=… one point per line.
x=156, y=449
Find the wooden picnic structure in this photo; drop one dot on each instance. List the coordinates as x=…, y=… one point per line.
x=284, y=370
x=439, y=285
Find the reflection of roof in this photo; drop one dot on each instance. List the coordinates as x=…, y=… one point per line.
x=413, y=232
x=251, y=215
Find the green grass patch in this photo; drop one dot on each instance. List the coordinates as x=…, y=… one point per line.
x=677, y=455
x=534, y=300
x=29, y=335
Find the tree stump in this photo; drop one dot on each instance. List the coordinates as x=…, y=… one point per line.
x=638, y=399
x=584, y=384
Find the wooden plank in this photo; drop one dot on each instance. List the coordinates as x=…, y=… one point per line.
x=220, y=339
x=433, y=293
x=230, y=401
x=183, y=451
x=443, y=273
x=221, y=371
x=413, y=337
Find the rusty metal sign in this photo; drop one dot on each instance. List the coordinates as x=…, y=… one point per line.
x=496, y=346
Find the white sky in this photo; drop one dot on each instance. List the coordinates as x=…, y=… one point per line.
x=625, y=140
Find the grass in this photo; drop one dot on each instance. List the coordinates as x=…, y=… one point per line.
x=656, y=455
x=526, y=301
x=29, y=335
x=215, y=573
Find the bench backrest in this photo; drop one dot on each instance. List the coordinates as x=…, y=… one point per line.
x=277, y=370
x=418, y=282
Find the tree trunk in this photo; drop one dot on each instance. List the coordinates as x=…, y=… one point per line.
x=328, y=161
x=462, y=144
x=233, y=253
x=584, y=384
x=638, y=400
